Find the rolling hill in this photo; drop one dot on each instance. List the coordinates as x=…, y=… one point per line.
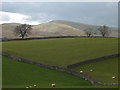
x=54, y=28
x=82, y=26
x=57, y=29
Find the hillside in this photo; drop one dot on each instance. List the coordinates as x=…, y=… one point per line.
x=7, y=30
x=53, y=28
x=42, y=30
x=57, y=29
x=82, y=26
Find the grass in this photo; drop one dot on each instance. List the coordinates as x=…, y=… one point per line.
x=103, y=71
x=64, y=51
x=19, y=75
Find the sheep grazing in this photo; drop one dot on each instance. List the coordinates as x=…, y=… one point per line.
x=26, y=87
x=81, y=71
x=113, y=77
x=35, y=85
x=53, y=85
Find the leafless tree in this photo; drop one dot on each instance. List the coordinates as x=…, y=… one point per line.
x=89, y=32
x=23, y=30
x=104, y=30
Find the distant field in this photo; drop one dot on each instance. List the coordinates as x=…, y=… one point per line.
x=103, y=71
x=19, y=75
x=62, y=51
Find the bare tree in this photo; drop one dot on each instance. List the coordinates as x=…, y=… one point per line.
x=104, y=30
x=23, y=30
x=89, y=32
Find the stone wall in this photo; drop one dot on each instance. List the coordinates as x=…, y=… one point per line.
x=6, y=39
x=92, y=60
x=81, y=75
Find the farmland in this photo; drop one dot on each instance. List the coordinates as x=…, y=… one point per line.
x=64, y=51
x=102, y=71
x=19, y=75
x=22, y=75
x=60, y=52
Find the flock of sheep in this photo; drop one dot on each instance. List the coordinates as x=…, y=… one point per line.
x=54, y=85
x=35, y=86
x=113, y=77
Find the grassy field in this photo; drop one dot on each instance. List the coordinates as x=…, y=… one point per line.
x=19, y=75
x=64, y=51
x=103, y=71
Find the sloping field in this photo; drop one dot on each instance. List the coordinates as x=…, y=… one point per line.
x=19, y=75
x=101, y=71
x=64, y=51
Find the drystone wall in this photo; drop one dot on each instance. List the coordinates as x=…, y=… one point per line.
x=93, y=60
x=81, y=75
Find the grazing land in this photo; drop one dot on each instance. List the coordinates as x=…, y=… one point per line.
x=101, y=71
x=22, y=75
x=19, y=75
x=62, y=51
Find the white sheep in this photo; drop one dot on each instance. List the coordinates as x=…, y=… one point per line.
x=113, y=77
x=81, y=71
x=26, y=87
x=35, y=85
x=53, y=85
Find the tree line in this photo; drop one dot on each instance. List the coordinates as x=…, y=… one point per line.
x=25, y=30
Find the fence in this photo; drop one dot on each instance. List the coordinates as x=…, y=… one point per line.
x=81, y=75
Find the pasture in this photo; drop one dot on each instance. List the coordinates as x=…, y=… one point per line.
x=101, y=71
x=19, y=75
x=62, y=51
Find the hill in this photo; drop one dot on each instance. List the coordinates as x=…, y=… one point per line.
x=7, y=30
x=82, y=26
x=42, y=30
x=58, y=29
x=54, y=28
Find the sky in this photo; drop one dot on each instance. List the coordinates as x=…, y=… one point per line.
x=95, y=13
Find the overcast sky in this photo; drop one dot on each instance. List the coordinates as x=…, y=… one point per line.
x=98, y=13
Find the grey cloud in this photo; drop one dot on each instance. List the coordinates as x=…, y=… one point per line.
x=86, y=12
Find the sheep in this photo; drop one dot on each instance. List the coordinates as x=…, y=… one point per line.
x=26, y=87
x=53, y=85
x=113, y=77
x=81, y=71
x=35, y=85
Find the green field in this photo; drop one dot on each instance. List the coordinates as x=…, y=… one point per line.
x=62, y=51
x=103, y=71
x=19, y=75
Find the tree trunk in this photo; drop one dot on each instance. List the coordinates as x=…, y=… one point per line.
x=22, y=36
x=103, y=35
